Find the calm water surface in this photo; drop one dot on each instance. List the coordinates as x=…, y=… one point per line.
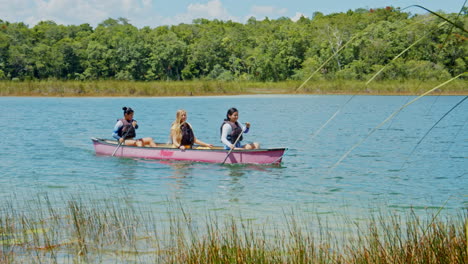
x=46, y=149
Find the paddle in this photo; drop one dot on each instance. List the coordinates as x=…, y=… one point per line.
x=120, y=143
x=238, y=137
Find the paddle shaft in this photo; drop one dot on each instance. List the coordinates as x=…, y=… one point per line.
x=120, y=143
x=238, y=137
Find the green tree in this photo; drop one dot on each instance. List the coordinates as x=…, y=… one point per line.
x=361, y=43
x=167, y=56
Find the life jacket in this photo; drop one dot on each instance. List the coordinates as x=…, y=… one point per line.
x=127, y=129
x=187, y=135
x=236, y=131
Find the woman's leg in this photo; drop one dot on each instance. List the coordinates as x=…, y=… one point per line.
x=254, y=145
x=130, y=142
x=139, y=143
x=148, y=141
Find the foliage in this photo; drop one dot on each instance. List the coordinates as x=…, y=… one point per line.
x=267, y=50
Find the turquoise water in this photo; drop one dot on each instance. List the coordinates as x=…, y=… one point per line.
x=46, y=149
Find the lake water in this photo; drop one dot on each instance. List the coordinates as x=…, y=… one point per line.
x=46, y=149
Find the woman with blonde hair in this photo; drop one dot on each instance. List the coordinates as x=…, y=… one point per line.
x=182, y=133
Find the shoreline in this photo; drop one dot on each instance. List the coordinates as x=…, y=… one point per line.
x=247, y=94
x=111, y=88
x=235, y=94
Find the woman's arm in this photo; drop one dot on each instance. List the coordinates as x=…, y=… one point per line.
x=115, y=132
x=196, y=140
x=201, y=143
x=226, y=130
x=245, y=128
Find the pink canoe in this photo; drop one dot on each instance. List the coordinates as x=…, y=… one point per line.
x=211, y=155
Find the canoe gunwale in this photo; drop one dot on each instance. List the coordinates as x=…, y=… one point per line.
x=114, y=143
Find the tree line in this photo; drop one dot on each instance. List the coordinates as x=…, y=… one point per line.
x=258, y=50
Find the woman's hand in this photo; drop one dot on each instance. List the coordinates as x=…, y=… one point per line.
x=121, y=140
x=247, y=125
x=134, y=123
x=182, y=147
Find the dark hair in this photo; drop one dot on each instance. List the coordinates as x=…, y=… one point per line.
x=127, y=110
x=231, y=111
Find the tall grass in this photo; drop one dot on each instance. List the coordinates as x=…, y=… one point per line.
x=117, y=232
x=201, y=88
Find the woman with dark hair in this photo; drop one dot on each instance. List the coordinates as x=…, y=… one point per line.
x=125, y=131
x=182, y=135
x=231, y=130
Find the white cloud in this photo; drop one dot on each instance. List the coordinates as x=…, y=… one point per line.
x=139, y=12
x=211, y=10
x=127, y=5
x=150, y=12
x=297, y=16
x=262, y=11
x=74, y=11
x=147, y=3
x=15, y=12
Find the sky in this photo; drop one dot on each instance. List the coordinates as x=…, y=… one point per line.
x=153, y=13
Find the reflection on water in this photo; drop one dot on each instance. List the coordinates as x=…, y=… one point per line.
x=127, y=168
x=235, y=171
x=233, y=185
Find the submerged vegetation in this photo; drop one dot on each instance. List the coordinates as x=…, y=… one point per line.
x=89, y=231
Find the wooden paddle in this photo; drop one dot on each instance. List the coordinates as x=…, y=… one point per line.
x=238, y=137
x=118, y=146
x=120, y=143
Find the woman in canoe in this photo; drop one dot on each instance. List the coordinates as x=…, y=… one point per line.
x=182, y=133
x=124, y=131
x=231, y=130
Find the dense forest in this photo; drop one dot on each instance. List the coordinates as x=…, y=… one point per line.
x=258, y=50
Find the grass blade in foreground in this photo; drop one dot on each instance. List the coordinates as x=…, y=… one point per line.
x=114, y=231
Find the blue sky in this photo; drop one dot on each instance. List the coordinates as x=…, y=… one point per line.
x=154, y=13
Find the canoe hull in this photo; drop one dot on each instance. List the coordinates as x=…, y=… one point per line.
x=260, y=156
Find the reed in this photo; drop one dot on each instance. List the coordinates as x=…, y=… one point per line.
x=78, y=231
x=204, y=88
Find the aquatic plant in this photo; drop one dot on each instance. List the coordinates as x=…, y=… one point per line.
x=81, y=231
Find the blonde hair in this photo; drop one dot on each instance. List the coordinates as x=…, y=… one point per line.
x=175, y=127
